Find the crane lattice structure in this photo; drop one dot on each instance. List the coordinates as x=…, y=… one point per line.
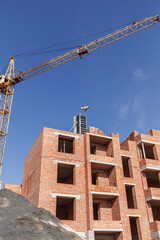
x=10, y=79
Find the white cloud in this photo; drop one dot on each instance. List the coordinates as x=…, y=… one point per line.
x=141, y=122
x=137, y=103
x=123, y=111
x=140, y=74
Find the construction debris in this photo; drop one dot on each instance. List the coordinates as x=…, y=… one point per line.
x=19, y=219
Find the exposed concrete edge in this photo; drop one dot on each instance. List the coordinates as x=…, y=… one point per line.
x=65, y=195
x=152, y=198
x=105, y=193
x=150, y=167
x=105, y=163
x=67, y=163
x=66, y=135
x=123, y=155
x=133, y=215
x=131, y=184
x=102, y=136
x=108, y=230
x=146, y=141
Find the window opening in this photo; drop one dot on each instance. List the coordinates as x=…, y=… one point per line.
x=65, y=145
x=103, y=175
x=153, y=179
x=93, y=149
x=66, y=215
x=146, y=151
x=96, y=211
x=65, y=173
x=106, y=209
x=126, y=167
x=149, y=151
x=105, y=236
x=101, y=147
x=65, y=208
x=130, y=198
x=155, y=211
x=94, y=177
x=133, y=227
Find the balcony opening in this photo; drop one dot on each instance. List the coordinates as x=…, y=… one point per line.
x=103, y=175
x=65, y=208
x=155, y=211
x=101, y=146
x=65, y=173
x=65, y=145
x=126, y=163
x=96, y=211
x=93, y=148
x=149, y=151
x=107, y=236
x=106, y=209
x=94, y=178
x=134, y=228
x=152, y=179
x=146, y=151
x=130, y=194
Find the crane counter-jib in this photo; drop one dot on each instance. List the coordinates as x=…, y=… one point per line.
x=10, y=79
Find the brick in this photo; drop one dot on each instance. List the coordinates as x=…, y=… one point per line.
x=74, y=202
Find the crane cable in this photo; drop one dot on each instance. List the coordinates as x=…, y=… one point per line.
x=29, y=54
x=50, y=48
x=84, y=82
x=4, y=68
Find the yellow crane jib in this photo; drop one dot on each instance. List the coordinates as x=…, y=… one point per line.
x=10, y=79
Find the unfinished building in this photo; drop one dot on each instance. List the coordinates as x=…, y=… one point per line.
x=94, y=184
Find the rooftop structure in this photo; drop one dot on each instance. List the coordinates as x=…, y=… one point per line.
x=80, y=123
x=94, y=184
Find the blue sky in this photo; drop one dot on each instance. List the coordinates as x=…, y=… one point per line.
x=121, y=82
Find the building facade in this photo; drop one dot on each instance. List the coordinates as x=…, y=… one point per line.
x=94, y=184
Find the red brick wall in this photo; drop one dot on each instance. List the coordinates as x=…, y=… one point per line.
x=101, y=150
x=102, y=178
x=106, y=211
x=112, y=177
x=40, y=185
x=14, y=188
x=48, y=182
x=31, y=175
x=116, y=216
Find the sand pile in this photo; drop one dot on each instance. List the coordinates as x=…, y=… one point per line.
x=20, y=220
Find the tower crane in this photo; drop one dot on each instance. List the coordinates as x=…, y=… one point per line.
x=10, y=78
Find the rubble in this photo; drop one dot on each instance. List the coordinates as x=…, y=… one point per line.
x=19, y=219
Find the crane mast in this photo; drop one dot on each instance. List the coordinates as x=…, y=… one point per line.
x=10, y=79
x=6, y=97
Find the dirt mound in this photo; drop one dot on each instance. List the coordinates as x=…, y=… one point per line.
x=20, y=220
